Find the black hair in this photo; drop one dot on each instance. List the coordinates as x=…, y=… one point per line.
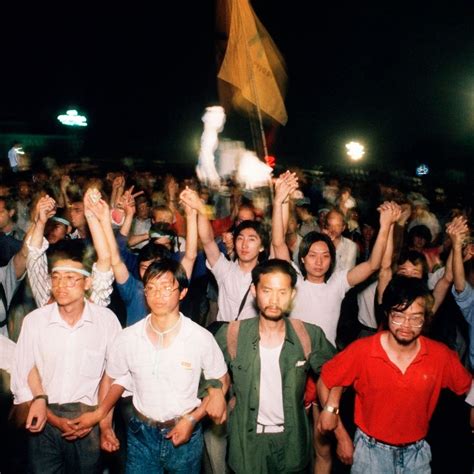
x=274, y=265
x=415, y=258
x=76, y=250
x=309, y=239
x=159, y=268
x=10, y=205
x=401, y=292
x=419, y=231
x=261, y=231
x=163, y=228
x=153, y=251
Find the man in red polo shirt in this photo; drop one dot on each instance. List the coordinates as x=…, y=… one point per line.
x=397, y=375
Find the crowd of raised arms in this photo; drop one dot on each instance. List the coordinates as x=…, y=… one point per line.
x=152, y=323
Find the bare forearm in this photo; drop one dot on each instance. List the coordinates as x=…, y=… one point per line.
x=458, y=269
x=375, y=258
x=137, y=239
x=100, y=243
x=127, y=225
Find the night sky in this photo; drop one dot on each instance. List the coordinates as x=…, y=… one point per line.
x=399, y=77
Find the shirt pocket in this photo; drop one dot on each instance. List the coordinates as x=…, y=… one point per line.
x=92, y=363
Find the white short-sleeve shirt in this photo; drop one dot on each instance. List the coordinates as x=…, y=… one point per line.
x=233, y=283
x=166, y=380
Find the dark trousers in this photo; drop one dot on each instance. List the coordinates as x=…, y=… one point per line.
x=49, y=452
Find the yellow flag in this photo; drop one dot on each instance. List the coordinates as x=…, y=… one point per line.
x=252, y=65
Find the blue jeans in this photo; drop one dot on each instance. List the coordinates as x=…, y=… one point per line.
x=149, y=451
x=371, y=456
x=49, y=452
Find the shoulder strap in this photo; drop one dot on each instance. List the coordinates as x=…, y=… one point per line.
x=242, y=303
x=298, y=326
x=232, y=337
x=3, y=297
x=303, y=336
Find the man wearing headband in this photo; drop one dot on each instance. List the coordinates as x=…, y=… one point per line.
x=68, y=343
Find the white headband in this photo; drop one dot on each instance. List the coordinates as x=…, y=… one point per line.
x=65, y=268
x=60, y=220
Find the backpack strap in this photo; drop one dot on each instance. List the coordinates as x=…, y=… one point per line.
x=3, y=297
x=303, y=336
x=232, y=337
x=298, y=327
x=242, y=303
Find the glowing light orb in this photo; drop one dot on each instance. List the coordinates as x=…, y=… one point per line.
x=422, y=170
x=355, y=150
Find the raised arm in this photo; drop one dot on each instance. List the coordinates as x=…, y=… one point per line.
x=118, y=185
x=36, y=262
x=457, y=230
x=389, y=214
x=284, y=186
x=190, y=252
x=91, y=197
x=385, y=273
x=102, y=212
x=191, y=199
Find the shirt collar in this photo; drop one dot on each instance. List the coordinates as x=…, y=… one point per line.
x=55, y=317
x=377, y=350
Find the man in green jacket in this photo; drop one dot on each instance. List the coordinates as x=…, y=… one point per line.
x=269, y=357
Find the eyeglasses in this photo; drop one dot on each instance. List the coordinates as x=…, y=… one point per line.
x=413, y=321
x=69, y=281
x=165, y=291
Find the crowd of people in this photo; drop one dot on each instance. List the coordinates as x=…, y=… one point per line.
x=150, y=322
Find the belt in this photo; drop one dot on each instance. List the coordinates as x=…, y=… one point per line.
x=392, y=445
x=269, y=428
x=161, y=425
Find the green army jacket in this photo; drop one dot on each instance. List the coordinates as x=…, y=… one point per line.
x=245, y=372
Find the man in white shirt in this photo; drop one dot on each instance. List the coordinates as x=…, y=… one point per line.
x=14, y=157
x=163, y=356
x=59, y=365
x=233, y=277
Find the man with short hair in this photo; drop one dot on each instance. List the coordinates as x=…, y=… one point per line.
x=397, y=375
x=269, y=357
x=163, y=356
x=68, y=342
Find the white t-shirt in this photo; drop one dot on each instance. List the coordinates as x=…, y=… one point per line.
x=366, y=301
x=270, y=409
x=320, y=303
x=233, y=283
x=166, y=380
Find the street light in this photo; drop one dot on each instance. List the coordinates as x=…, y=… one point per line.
x=72, y=119
x=355, y=150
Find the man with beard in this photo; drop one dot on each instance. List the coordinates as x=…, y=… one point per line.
x=269, y=357
x=397, y=375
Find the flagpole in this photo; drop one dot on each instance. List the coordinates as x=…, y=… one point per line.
x=254, y=90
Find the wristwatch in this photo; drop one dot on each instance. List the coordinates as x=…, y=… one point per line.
x=190, y=418
x=42, y=397
x=332, y=409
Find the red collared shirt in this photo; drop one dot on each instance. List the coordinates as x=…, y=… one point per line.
x=391, y=406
